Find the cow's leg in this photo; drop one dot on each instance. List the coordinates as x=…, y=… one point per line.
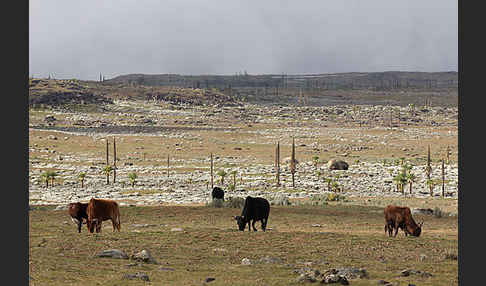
x=389, y=228
x=249, y=225
x=396, y=230
x=264, y=223
x=98, y=226
x=80, y=223
x=253, y=224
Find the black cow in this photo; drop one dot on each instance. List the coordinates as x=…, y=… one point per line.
x=218, y=193
x=254, y=209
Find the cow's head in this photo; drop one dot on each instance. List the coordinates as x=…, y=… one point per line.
x=241, y=222
x=74, y=208
x=418, y=229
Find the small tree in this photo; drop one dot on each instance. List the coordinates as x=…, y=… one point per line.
x=315, y=159
x=132, y=177
x=223, y=174
x=431, y=183
x=107, y=170
x=328, y=181
x=234, y=179
x=335, y=186
x=45, y=178
x=411, y=178
x=400, y=181
x=81, y=177
x=411, y=109
x=52, y=175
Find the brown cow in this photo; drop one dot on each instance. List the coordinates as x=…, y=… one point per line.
x=77, y=211
x=99, y=210
x=401, y=217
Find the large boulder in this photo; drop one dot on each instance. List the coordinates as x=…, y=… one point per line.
x=337, y=165
x=287, y=161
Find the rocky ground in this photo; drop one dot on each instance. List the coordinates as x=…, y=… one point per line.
x=370, y=138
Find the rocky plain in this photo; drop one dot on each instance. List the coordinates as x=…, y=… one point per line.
x=169, y=146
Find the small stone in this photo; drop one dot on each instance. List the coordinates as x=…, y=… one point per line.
x=176, y=229
x=209, y=279
x=112, y=253
x=140, y=275
x=245, y=261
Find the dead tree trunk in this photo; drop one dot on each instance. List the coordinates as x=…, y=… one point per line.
x=292, y=163
x=212, y=185
x=277, y=163
x=107, y=161
x=443, y=179
x=114, y=160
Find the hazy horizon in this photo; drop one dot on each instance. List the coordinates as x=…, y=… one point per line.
x=83, y=39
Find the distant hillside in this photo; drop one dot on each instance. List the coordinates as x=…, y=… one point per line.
x=58, y=92
x=375, y=80
x=53, y=92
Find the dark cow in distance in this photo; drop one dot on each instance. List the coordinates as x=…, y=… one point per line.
x=254, y=209
x=401, y=217
x=100, y=210
x=78, y=212
x=217, y=193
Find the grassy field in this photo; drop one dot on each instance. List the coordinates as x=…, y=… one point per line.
x=210, y=245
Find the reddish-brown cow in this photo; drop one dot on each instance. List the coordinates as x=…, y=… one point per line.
x=401, y=217
x=99, y=210
x=77, y=211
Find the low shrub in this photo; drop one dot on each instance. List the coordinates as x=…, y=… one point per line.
x=438, y=213
x=449, y=254
x=216, y=203
x=234, y=202
x=230, y=202
x=280, y=200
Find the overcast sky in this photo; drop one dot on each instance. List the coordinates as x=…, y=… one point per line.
x=81, y=39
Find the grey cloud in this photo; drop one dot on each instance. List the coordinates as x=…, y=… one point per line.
x=83, y=38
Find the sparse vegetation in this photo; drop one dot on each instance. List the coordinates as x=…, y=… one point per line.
x=81, y=178
x=107, y=171
x=132, y=177
x=222, y=174
x=340, y=228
